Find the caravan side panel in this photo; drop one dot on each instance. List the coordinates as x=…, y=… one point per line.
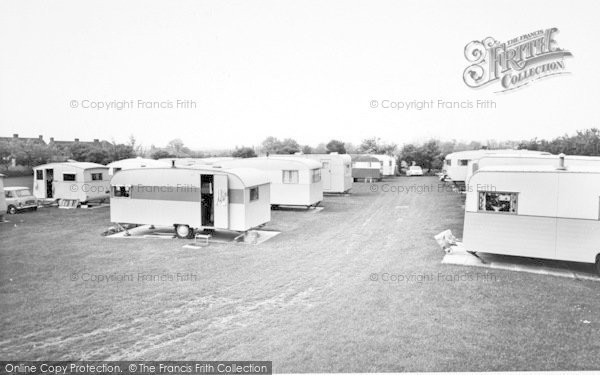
x=577, y=240
x=258, y=212
x=155, y=211
x=527, y=236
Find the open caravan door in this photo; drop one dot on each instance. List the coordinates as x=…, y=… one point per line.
x=221, y=202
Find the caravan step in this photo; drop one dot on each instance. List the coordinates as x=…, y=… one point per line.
x=68, y=203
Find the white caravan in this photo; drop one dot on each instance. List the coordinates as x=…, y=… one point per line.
x=294, y=181
x=191, y=199
x=528, y=159
x=336, y=170
x=456, y=164
x=388, y=164
x=75, y=181
x=535, y=211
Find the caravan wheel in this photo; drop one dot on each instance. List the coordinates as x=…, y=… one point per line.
x=184, y=231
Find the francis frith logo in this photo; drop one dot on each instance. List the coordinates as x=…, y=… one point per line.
x=514, y=63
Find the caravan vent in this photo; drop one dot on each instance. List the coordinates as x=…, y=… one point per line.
x=561, y=162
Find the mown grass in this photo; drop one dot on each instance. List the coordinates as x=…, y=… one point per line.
x=303, y=299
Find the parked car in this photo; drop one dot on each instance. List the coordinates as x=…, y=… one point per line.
x=19, y=198
x=414, y=170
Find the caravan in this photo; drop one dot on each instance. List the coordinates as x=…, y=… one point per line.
x=336, y=170
x=78, y=182
x=388, y=164
x=366, y=167
x=456, y=164
x=134, y=163
x=191, y=162
x=191, y=199
x=294, y=181
x=528, y=159
x=543, y=211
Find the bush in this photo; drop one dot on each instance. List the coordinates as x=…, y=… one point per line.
x=17, y=171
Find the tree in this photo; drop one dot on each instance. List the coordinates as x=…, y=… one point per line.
x=430, y=155
x=78, y=151
x=176, y=147
x=336, y=146
x=161, y=154
x=98, y=155
x=271, y=145
x=137, y=149
x=243, y=152
x=289, y=146
x=375, y=146
x=320, y=149
x=410, y=154
x=307, y=149
x=368, y=146
x=120, y=152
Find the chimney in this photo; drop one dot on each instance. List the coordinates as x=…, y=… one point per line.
x=561, y=162
x=15, y=135
x=51, y=139
x=173, y=163
x=76, y=139
x=96, y=140
x=41, y=137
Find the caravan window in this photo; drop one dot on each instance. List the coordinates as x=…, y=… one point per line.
x=39, y=174
x=121, y=191
x=96, y=176
x=68, y=177
x=448, y=162
x=290, y=177
x=463, y=162
x=254, y=194
x=316, y=175
x=501, y=202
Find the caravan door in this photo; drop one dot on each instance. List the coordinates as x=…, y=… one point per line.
x=326, y=174
x=221, y=202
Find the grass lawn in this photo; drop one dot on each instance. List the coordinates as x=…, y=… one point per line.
x=304, y=299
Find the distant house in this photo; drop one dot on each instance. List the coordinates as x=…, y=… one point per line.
x=61, y=148
x=15, y=139
x=64, y=144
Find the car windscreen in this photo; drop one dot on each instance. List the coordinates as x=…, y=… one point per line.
x=24, y=193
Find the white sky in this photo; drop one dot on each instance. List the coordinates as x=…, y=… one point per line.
x=302, y=69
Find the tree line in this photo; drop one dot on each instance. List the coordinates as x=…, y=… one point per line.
x=429, y=154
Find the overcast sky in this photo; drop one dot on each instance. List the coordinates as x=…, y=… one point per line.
x=303, y=69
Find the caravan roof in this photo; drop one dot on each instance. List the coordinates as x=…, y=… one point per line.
x=271, y=163
x=540, y=169
x=74, y=164
x=138, y=162
x=366, y=158
x=474, y=154
x=248, y=177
